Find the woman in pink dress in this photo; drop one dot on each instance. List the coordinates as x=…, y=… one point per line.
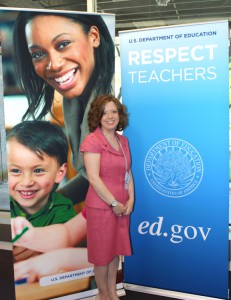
x=110, y=197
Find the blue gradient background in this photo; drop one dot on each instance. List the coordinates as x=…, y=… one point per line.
x=196, y=111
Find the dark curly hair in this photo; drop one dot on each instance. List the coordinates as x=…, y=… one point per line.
x=97, y=110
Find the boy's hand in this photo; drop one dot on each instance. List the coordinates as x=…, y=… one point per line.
x=42, y=265
x=21, y=253
x=17, y=226
x=50, y=263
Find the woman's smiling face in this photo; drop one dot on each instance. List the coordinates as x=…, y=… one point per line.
x=62, y=54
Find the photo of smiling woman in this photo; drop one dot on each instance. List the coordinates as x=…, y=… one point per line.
x=72, y=54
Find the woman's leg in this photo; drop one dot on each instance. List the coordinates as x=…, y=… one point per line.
x=101, y=275
x=112, y=273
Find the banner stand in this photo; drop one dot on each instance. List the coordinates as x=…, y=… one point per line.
x=166, y=293
x=120, y=292
x=175, y=82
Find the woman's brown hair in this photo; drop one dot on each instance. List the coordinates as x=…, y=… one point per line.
x=97, y=110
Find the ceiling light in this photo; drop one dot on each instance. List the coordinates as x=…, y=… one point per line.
x=162, y=2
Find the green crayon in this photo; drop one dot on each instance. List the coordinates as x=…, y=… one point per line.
x=20, y=234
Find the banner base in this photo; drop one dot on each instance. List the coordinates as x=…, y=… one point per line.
x=120, y=293
x=90, y=295
x=166, y=293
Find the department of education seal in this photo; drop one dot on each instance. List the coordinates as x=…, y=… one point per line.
x=173, y=168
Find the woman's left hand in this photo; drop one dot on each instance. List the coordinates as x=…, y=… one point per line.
x=128, y=207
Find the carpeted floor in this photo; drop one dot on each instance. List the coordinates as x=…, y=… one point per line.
x=141, y=296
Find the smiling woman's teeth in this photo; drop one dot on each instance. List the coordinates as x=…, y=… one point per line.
x=65, y=78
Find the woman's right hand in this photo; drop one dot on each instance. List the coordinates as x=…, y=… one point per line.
x=119, y=209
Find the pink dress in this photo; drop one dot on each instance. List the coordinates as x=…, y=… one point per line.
x=107, y=234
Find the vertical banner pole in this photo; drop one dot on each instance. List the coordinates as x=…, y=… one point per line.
x=3, y=163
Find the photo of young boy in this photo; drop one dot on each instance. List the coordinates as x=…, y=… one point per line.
x=37, y=163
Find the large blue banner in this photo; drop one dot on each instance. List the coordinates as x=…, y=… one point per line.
x=175, y=84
